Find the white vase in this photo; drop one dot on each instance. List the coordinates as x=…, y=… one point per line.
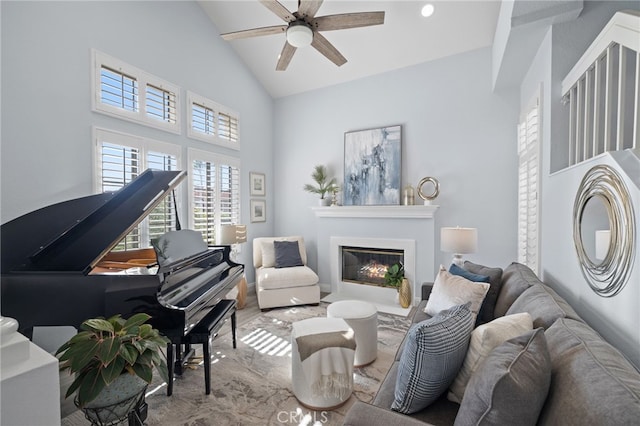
x=324, y=202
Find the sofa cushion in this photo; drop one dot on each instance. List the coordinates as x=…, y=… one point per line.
x=544, y=305
x=273, y=278
x=483, y=340
x=451, y=290
x=432, y=356
x=495, y=283
x=511, y=386
x=516, y=278
x=287, y=254
x=592, y=383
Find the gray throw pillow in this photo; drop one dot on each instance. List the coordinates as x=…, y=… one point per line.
x=510, y=387
x=495, y=284
x=287, y=254
x=432, y=355
x=516, y=278
x=543, y=304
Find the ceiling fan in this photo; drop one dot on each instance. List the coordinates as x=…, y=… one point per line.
x=303, y=28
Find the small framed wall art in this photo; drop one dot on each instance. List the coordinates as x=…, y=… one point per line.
x=258, y=211
x=257, y=184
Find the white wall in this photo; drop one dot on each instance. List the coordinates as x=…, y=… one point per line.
x=616, y=318
x=47, y=117
x=454, y=128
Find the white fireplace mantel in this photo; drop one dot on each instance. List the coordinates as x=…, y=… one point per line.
x=395, y=212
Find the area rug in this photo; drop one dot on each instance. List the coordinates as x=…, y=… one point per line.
x=251, y=385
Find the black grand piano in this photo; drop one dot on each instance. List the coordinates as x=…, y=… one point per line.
x=59, y=267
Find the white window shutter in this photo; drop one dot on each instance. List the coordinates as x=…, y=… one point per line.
x=215, y=193
x=528, y=189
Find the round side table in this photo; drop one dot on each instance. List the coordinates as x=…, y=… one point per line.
x=362, y=317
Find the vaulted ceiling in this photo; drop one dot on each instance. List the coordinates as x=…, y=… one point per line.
x=406, y=38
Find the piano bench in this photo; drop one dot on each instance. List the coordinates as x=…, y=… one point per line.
x=203, y=333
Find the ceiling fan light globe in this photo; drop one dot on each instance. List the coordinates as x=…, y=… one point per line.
x=299, y=35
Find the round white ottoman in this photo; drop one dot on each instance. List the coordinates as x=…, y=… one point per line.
x=363, y=318
x=322, y=352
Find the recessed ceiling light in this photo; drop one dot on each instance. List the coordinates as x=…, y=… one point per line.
x=427, y=10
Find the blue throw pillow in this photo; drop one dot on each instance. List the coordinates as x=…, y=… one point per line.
x=287, y=254
x=486, y=310
x=431, y=358
x=456, y=270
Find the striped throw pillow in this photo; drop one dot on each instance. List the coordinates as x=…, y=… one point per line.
x=431, y=358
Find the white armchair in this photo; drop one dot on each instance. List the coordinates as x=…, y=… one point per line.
x=283, y=286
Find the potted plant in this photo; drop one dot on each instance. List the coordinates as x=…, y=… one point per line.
x=324, y=184
x=394, y=277
x=113, y=360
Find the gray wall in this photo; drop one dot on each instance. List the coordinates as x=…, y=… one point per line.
x=47, y=117
x=454, y=128
x=616, y=318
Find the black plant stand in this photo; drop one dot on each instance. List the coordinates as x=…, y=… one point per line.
x=134, y=409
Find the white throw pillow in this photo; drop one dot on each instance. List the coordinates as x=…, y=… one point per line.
x=450, y=290
x=268, y=254
x=484, y=339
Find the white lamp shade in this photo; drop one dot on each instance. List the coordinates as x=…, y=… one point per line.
x=603, y=239
x=459, y=240
x=233, y=234
x=299, y=35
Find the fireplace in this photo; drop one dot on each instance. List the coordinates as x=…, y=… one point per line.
x=356, y=261
x=409, y=229
x=362, y=265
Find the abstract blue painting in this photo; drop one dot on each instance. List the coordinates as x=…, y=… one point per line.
x=372, y=167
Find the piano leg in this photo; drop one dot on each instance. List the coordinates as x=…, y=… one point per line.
x=233, y=328
x=170, y=368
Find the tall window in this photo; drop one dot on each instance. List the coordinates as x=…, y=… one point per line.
x=215, y=192
x=529, y=186
x=124, y=91
x=212, y=122
x=120, y=159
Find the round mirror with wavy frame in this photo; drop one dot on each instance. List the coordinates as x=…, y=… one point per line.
x=604, y=230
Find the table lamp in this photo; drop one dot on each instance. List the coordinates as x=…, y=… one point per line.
x=603, y=239
x=458, y=241
x=231, y=235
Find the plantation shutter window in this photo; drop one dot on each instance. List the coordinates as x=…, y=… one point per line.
x=212, y=122
x=121, y=158
x=126, y=92
x=203, y=176
x=118, y=89
x=528, y=188
x=161, y=104
x=215, y=193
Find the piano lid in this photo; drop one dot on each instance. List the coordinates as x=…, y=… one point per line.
x=85, y=229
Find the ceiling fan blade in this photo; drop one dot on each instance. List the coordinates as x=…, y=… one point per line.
x=323, y=46
x=347, y=20
x=255, y=32
x=277, y=8
x=285, y=57
x=309, y=8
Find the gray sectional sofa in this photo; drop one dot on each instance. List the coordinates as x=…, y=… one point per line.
x=592, y=383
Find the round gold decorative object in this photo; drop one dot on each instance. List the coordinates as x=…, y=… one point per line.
x=405, y=293
x=436, y=188
x=603, y=186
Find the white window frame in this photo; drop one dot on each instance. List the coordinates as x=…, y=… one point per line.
x=529, y=143
x=144, y=79
x=144, y=145
x=217, y=159
x=218, y=109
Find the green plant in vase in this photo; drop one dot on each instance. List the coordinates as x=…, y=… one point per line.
x=324, y=184
x=109, y=349
x=394, y=275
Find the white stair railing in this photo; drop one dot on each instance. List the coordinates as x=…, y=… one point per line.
x=603, y=91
